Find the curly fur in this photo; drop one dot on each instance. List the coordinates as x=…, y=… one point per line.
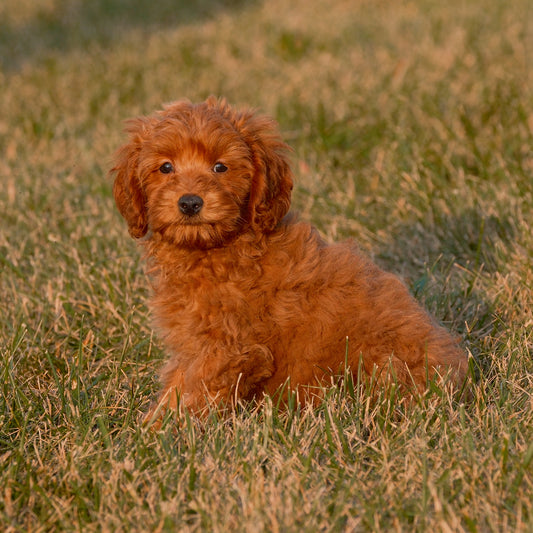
x=245, y=296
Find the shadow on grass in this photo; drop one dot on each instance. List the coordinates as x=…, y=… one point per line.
x=471, y=237
x=456, y=267
x=76, y=24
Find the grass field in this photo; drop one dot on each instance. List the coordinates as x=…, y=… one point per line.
x=412, y=125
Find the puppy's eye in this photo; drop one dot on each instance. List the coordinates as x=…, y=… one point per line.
x=220, y=167
x=166, y=168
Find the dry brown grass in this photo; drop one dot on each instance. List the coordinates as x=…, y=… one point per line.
x=412, y=124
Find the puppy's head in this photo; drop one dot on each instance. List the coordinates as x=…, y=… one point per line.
x=201, y=174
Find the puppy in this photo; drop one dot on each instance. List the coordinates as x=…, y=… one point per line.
x=245, y=297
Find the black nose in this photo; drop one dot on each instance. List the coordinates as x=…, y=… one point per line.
x=190, y=204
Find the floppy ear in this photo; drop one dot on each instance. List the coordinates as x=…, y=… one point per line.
x=270, y=195
x=127, y=190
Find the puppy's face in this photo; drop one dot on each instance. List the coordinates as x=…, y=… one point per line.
x=197, y=179
x=200, y=174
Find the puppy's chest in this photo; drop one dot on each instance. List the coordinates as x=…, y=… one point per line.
x=208, y=290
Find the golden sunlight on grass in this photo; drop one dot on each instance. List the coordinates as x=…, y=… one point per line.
x=412, y=129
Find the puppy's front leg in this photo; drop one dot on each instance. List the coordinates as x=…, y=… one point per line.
x=219, y=379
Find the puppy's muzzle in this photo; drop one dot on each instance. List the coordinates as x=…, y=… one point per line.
x=190, y=204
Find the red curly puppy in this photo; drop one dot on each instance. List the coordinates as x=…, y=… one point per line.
x=245, y=297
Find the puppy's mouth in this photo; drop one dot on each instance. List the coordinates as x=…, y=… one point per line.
x=192, y=219
x=191, y=211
